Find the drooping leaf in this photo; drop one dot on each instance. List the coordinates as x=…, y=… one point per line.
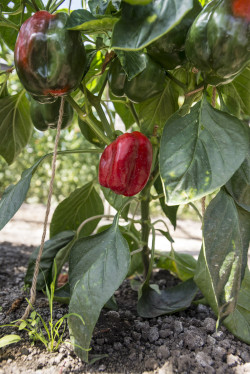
x=116, y=201
x=139, y=25
x=169, y=211
x=51, y=247
x=15, y=126
x=156, y=110
x=15, y=195
x=239, y=185
x=9, y=339
x=81, y=204
x=238, y=322
x=104, y=7
x=221, y=262
x=83, y=20
x=154, y=302
x=97, y=267
x=132, y=62
x=88, y=133
x=182, y=265
x=200, y=152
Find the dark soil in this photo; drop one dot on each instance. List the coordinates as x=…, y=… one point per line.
x=185, y=342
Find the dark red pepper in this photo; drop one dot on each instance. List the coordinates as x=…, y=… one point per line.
x=126, y=163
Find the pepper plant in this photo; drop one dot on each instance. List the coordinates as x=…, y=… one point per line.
x=178, y=76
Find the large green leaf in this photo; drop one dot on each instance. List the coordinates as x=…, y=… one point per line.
x=222, y=260
x=239, y=321
x=169, y=211
x=15, y=126
x=15, y=195
x=200, y=152
x=81, y=204
x=132, y=62
x=156, y=110
x=116, y=201
x=239, y=185
x=154, y=302
x=142, y=24
x=97, y=267
x=104, y=7
x=83, y=20
x=237, y=94
x=51, y=247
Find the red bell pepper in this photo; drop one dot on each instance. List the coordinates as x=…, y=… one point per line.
x=125, y=164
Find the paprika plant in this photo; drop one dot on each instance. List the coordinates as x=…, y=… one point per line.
x=177, y=75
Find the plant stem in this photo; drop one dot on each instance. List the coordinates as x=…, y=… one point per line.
x=134, y=113
x=35, y=5
x=89, y=121
x=56, y=6
x=175, y=80
x=48, y=5
x=145, y=228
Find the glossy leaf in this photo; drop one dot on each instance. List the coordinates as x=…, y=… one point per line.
x=221, y=262
x=83, y=20
x=156, y=110
x=239, y=185
x=97, y=267
x=139, y=25
x=169, y=211
x=123, y=111
x=15, y=127
x=51, y=247
x=116, y=201
x=154, y=302
x=104, y=7
x=200, y=152
x=182, y=265
x=239, y=321
x=15, y=195
x=81, y=204
x=132, y=62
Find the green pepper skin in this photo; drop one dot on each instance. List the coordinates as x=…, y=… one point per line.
x=218, y=43
x=143, y=86
x=49, y=59
x=45, y=116
x=169, y=50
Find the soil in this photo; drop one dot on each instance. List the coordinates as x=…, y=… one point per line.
x=185, y=342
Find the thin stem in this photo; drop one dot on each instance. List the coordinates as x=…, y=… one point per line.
x=145, y=228
x=69, y=6
x=103, y=87
x=56, y=6
x=150, y=268
x=48, y=5
x=196, y=209
x=91, y=219
x=198, y=89
x=110, y=116
x=6, y=23
x=175, y=80
x=160, y=220
x=133, y=112
x=35, y=5
x=155, y=197
x=89, y=121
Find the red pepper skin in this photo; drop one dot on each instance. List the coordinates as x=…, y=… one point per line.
x=125, y=164
x=49, y=59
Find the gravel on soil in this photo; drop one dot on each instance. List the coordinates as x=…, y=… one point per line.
x=185, y=342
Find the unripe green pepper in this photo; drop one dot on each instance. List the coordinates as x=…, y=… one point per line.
x=45, y=116
x=50, y=60
x=169, y=50
x=143, y=86
x=218, y=42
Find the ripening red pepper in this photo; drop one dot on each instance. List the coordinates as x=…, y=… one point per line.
x=125, y=164
x=241, y=8
x=50, y=60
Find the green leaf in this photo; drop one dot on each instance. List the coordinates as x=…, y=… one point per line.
x=15, y=195
x=154, y=302
x=239, y=185
x=200, y=152
x=62, y=294
x=81, y=204
x=83, y=20
x=88, y=133
x=156, y=110
x=97, y=267
x=132, y=62
x=169, y=211
x=116, y=201
x=15, y=127
x=9, y=339
x=223, y=256
x=104, y=7
x=142, y=24
x=237, y=95
x=51, y=248
x=181, y=264
x=138, y=2
x=238, y=322
x=123, y=111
